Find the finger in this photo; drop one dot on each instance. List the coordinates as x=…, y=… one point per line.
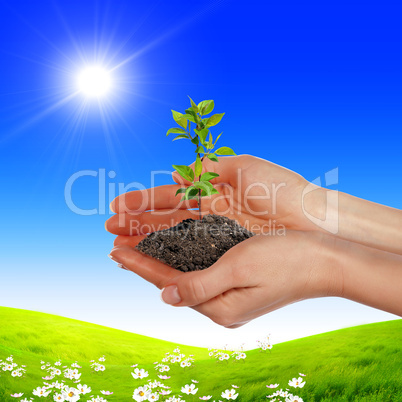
x=146, y=267
x=147, y=222
x=226, y=168
x=229, y=272
x=239, y=306
x=161, y=197
x=232, y=309
x=197, y=287
x=131, y=241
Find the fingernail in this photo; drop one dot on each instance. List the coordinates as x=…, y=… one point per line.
x=112, y=258
x=122, y=266
x=170, y=295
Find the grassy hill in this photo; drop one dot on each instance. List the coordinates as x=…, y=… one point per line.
x=362, y=363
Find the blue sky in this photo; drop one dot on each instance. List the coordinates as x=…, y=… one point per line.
x=308, y=86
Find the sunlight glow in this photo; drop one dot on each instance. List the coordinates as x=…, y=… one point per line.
x=94, y=81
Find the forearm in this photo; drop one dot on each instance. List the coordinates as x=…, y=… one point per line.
x=360, y=221
x=367, y=275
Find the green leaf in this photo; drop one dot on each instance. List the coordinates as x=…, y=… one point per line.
x=225, y=151
x=207, y=176
x=191, y=192
x=185, y=172
x=217, y=138
x=189, y=117
x=195, y=140
x=210, y=142
x=205, y=186
x=202, y=105
x=214, y=191
x=214, y=119
x=212, y=157
x=208, y=108
x=198, y=166
x=181, y=190
x=200, y=150
x=178, y=118
x=202, y=134
x=176, y=130
x=195, y=197
x=204, y=122
x=194, y=106
x=180, y=136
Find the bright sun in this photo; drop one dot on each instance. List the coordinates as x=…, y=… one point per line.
x=94, y=81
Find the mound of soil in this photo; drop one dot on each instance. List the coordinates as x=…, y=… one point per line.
x=193, y=245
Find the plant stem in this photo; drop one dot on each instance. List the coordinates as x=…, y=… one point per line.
x=199, y=193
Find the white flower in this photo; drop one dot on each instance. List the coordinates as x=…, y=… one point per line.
x=293, y=398
x=139, y=373
x=153, y=397
x=189, y=389
x=297, y=382
x=58, y=363
x=75, y=365
x=205, y=398
x=102, y=359
x=272, y=386
x=83, y=389
x=58, y=398
x=229, y=394
x=17, y=395
x=71, y=394
x=40, y=392
x=141, y=394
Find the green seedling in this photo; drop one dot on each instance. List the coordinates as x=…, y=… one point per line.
x=204, y=143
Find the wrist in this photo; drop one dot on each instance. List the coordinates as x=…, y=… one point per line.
x=319, y=209
x=327, y=265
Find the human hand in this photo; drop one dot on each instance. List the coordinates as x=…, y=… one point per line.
x=256, y=193
x=253, y=278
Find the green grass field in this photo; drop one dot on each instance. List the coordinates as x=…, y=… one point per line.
x=362, y=363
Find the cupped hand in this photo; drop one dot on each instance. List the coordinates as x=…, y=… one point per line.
x=253, y=278
x=256, y=193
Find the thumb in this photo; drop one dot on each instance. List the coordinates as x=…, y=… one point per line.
x=198, y=287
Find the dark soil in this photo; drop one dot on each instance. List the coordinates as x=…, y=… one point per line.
x=193, y=245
